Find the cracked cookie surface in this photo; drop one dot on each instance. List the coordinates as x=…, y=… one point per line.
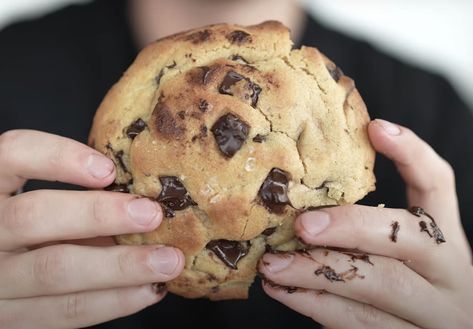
x=234, y=134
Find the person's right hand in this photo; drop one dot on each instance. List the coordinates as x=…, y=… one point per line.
x=64, y=285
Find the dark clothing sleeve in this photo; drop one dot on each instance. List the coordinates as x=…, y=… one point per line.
x=55, y=70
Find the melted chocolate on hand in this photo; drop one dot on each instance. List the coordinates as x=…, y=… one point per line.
x=273, y=192
x=395, y=229
x=436, y=232
x=173, y=195
x=329, y=273
x=230, y=252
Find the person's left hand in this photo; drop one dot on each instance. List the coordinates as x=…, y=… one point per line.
x=403, y=273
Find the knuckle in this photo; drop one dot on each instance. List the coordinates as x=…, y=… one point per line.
x=129, y=260
x=394, y=281
x=368, y=316
x=75, y=306
x=50, y=267
x=99, y=211
x=7, y=142
x=20, y=213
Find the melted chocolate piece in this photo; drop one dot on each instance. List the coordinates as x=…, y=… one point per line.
x=363, y=257
x=395, y=229
x=173, y=195
x=269, y=231
x=230, y=252
x=200, y=36
x=238, y=37
x=231, y=78
x=181, y=114
x=230, y=133
x=159, y=287
x=206, y=74
x=436, y=232
x=203, y=105
x=273, y=191
x=259, y=138
x=312, y=208
x=335, y=72
x=115, y=187
x=165, y=123
x=329, y=273
x=238, y=58
x=119, y=156
x=423, y=228
x=135, y=128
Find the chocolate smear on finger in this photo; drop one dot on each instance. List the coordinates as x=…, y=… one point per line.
x=436, y=232
x=329, y=273
x=363, y=257
x=395, y=229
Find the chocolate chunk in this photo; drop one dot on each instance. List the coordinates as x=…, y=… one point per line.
x=206, y=74
x=181, y=114
x=230, y=133
x=115, y=187
x=231, y=79
x=335, y=72
x=203, y=105
x=230, y=252
x=395, y=229
x=269, y=231
x=228, y=81
x=135, y=128
x=238, y=58
x=259, y=138
x=329, y=273
x=200, y=36
x=173, y=195
x=273, y=191
x=239, y=36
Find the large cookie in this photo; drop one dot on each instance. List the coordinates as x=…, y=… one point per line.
x=234, y=134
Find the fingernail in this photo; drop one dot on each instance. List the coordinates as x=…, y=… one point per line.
x=99, y=166
x=315, y=222
x=277, y=262
x=142, y=211
x=389, y=128
x=164, y=260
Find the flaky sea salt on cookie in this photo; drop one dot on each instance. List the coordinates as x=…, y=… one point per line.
x=234, y=134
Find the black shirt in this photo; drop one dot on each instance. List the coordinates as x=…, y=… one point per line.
x=55, y=70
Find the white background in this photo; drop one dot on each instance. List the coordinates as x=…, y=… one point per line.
x=435, y=34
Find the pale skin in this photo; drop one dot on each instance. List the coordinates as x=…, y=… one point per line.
x=59, y=262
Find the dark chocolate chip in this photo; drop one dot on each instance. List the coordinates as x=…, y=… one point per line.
x=181, y=115
x=329, y=273
x=231, y=78
x=230, y=252
x=135, y=128
x=259, y=138
x=119, y=157
x=174, y=195
x=230, y=133
x=161, y=72
x=335, y=72
x=238, y=58
x=239, y=36
x=206, y=74
x=200, y=36
x=166, y=124
x=203, y=105
x=273, y=191
x=269, y=231
x=395, y=229
x=115, y=187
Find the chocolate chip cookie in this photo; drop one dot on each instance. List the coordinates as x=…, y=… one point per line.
x=234, y=134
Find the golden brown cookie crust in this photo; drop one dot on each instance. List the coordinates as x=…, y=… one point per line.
x=293, y=110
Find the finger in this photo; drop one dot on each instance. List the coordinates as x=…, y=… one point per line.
x=29, y=154
x=78, y=310
x=429, y=178
x=394, y=233
x=336, y=312
x=49, y=215
x=387, y=285
x=63, y=269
